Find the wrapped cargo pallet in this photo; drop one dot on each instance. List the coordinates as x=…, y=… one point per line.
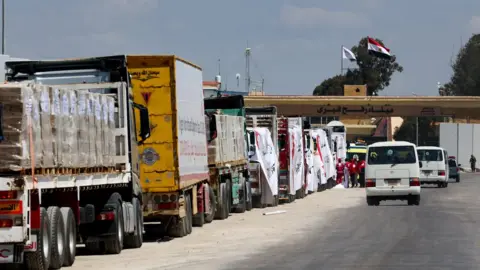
x=98, y=130
x=42, y=94
x=56, y=123
x=21, y=128
x=74, y=150
x=229, y=145
x=68, y=125
x=92, y=157
x=83, y=130
x=111, y=129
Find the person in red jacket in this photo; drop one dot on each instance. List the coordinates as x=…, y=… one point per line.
x=354, y=169
x=340, y=168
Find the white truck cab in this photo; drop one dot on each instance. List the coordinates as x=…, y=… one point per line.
x=435, y=165
x=392, y=173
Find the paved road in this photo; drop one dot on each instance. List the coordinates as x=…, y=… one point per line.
x=442, y=233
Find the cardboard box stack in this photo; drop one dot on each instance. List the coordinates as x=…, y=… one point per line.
x=50, y=127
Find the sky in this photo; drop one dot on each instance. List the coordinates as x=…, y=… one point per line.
x=295, y=44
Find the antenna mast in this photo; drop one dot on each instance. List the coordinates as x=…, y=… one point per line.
x=247, y=69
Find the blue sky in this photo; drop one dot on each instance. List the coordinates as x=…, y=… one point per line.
x=295, y=44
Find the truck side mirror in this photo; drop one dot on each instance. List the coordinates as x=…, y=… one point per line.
x=144, y=123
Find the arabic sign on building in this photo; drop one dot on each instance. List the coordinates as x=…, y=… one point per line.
x=347, y=110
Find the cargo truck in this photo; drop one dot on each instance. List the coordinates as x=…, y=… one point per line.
x=227, y=154
x=46, y=208
x=291, y=158
x=261, y=117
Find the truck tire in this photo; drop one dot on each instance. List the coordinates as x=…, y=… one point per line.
x=40, y=259
x=135, y=240
x=242, y=206
x=189, y=213
x=114, y=244
x=70, y=226
x=179, y=229
x=199, y=218
x=249, y=196
x=221, y=212
x=57, y=234
x=213, y=206
x=229, y=196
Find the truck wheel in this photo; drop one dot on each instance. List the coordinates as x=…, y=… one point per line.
x=57, y=233
x=242, y=206
x=249, y=196
x=40, y=259
x=221, y=212
x=70, y=249
x=229, y=196
x=135, y=240
x=189, y=213
x=114, y=245
x=213, y=206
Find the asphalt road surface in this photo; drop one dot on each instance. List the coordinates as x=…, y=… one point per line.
x=442, y=233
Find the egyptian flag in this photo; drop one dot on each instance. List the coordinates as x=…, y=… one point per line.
x=377, y=49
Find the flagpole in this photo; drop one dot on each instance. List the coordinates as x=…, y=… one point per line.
x=341, y=60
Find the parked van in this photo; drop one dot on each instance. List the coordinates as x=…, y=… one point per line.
x=435, y=165
x=392, y=173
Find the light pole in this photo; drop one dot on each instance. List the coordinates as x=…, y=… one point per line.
x=3, y=26
x=416, y=125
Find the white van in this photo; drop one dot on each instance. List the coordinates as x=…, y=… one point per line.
x=392, y=173
x=435, y=165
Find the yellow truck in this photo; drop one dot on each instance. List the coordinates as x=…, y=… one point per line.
x=174, y=169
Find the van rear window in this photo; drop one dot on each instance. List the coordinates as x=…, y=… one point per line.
x=391, y=155
x=430, y=155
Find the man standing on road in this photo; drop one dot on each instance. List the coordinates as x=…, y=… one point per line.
x=354, y=171
x=473, y=162
x=339, y=171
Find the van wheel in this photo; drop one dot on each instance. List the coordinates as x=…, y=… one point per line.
x=57, y=233
x=457, y=179
x=40, y=259
x=70, y=236
x=445, y=185
x=372, y=201
x=213, y=205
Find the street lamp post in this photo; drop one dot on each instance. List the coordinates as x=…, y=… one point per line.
x=3, y=26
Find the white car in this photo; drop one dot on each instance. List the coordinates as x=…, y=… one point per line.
x=435, y=165
x=392, y=173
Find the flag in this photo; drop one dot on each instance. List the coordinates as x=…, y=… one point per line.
x=377, y=49
x=347, y=54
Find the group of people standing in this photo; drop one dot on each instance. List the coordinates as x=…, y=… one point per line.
x=348, y=172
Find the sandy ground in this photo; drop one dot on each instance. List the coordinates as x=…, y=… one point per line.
x=219, y=244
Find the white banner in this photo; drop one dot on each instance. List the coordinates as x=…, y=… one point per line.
x=266, y=156
x=296, y=158
x=311, y=179
x=318, y=164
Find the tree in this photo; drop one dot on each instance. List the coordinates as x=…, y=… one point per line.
x=465, y=80
x=426, y=131
x=375, y=72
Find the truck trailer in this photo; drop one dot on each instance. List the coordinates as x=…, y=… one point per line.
x=79, y=175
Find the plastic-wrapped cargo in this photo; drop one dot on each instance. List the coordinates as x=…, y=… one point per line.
x=111, y=130
x=56, y=123
x=67, y=128
x=229, y=145
x=92, y=153
x=98, y=130
x=73, y=117
x=42, y=94
x=20, y=127
x=83, y=129
x=104, y=131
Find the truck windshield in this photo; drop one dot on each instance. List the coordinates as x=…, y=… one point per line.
x=430, y=155
x=391, y=155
